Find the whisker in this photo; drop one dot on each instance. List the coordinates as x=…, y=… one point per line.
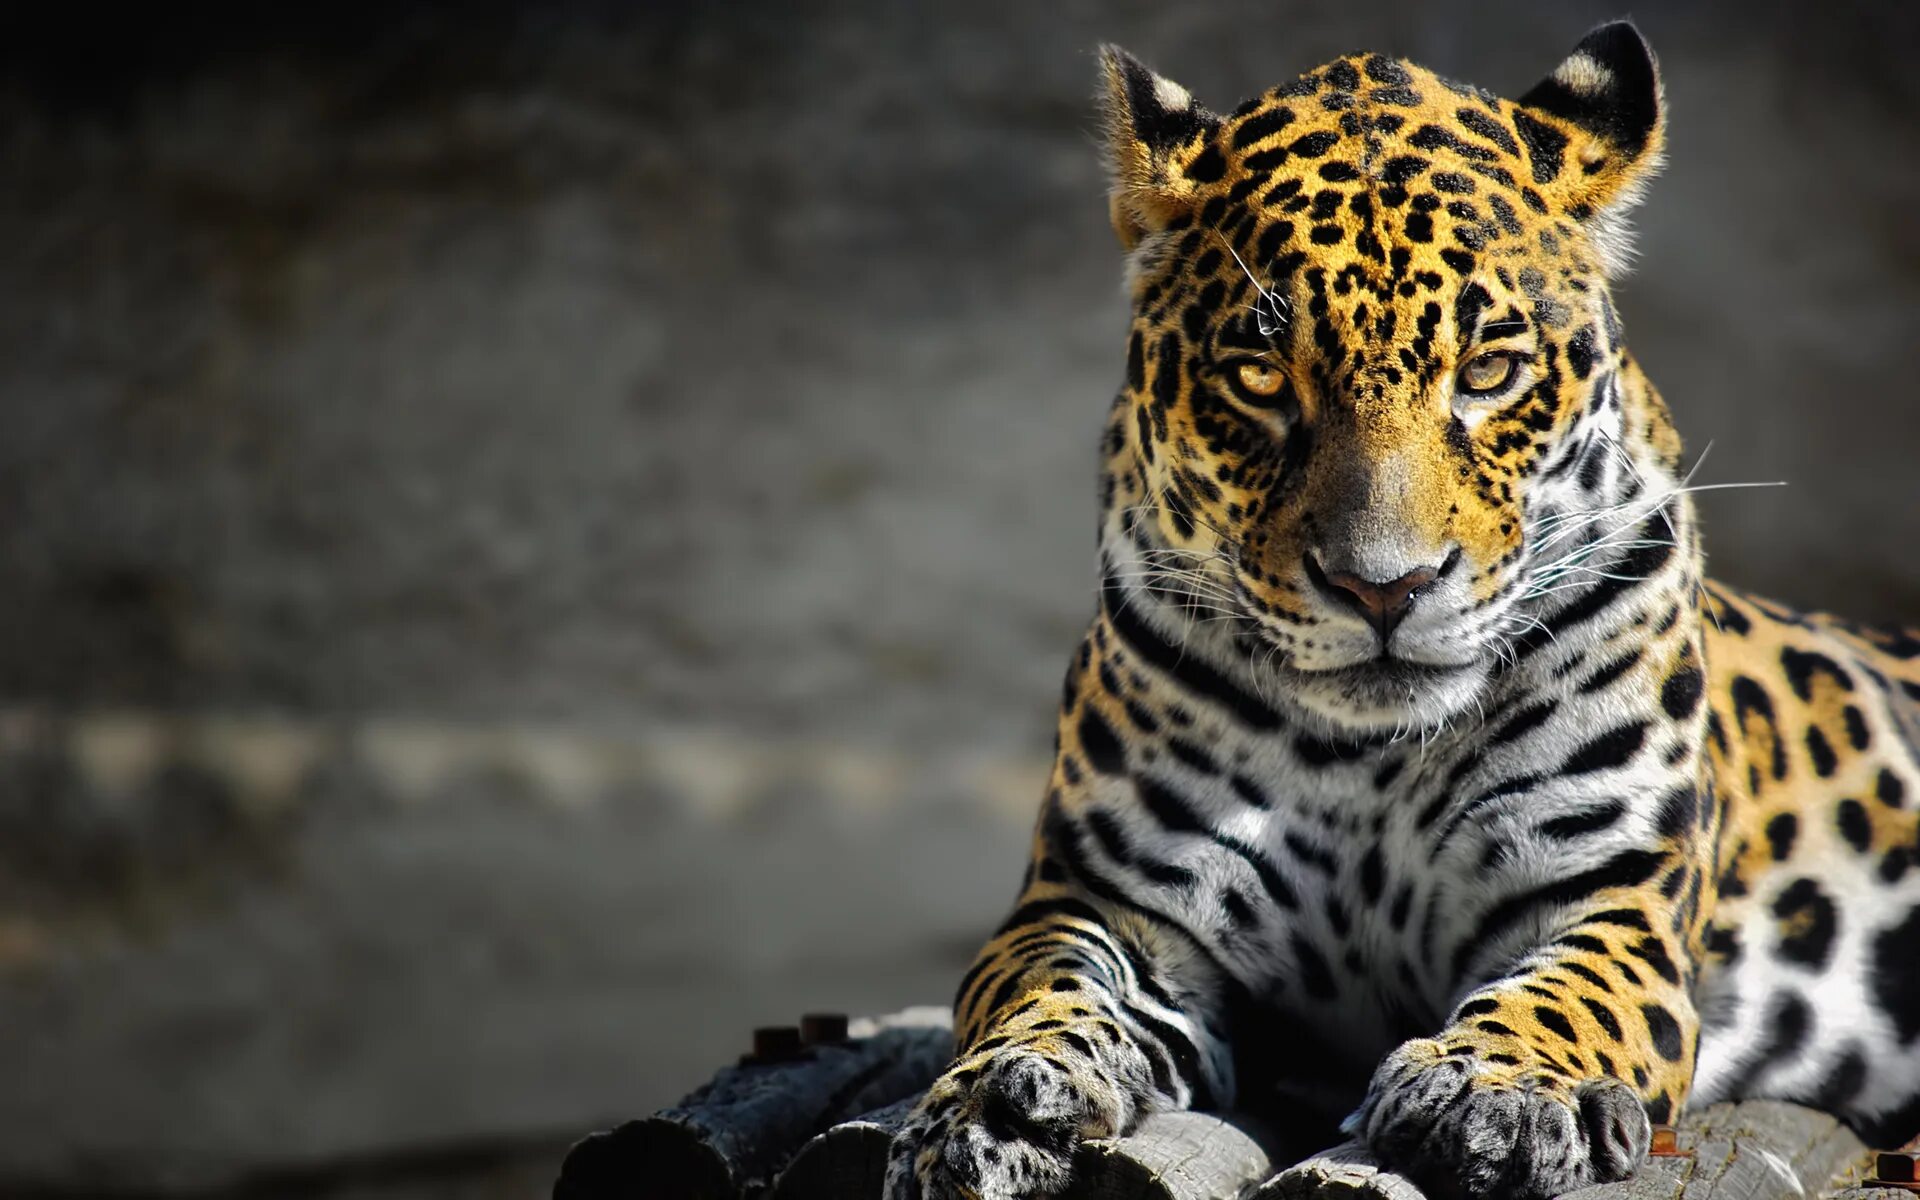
x=1277, y=302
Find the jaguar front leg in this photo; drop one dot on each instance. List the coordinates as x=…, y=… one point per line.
x=1080, y=1016
x=1542, y=1081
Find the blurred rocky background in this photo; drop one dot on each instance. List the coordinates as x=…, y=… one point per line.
x=536, y=537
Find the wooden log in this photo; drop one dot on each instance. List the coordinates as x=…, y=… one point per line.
x=847, y=1162
x=1347, y=1171
x=1751, y=1151
x=839, y=1104
x=1760, y=1150
x=1756, y=1151
x=1175, y=1156
x=740, y=1129
x=1171, y=1156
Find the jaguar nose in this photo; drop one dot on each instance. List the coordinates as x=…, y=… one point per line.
x=1383, y=603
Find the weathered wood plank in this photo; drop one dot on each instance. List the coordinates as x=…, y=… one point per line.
x=1346, y=1171
x=829, y=1117
x=1657, y=1179
x=1171, y=1156
x=1761, y=1150
x=847, y=1162
x=1175, y=1156
x=741, y=1128
x=1765, y=1148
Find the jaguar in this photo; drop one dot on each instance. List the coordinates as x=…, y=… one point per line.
x=1410, y=771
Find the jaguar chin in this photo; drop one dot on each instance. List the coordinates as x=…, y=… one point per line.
x=1386, y=695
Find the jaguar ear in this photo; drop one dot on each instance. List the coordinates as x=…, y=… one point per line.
x=1149, y=121
x=1594, y=130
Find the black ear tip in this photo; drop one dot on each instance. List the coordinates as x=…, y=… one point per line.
x=1623, y=34
x=1115, y=60
x=1128, y=80
x=1618, y=46
x=1609, y=85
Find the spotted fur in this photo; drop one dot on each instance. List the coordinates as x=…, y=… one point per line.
x=1409, y=768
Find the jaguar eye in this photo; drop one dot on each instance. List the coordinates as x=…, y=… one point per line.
x=1485, y=374
x=1259, y=379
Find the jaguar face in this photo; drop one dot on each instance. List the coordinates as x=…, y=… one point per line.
x=1377, y=403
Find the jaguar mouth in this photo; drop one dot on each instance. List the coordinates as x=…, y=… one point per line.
x=1385, y=666
x=1387, y=693
x=1389, y=670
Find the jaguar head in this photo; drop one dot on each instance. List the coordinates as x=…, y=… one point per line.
x=1376, y=388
